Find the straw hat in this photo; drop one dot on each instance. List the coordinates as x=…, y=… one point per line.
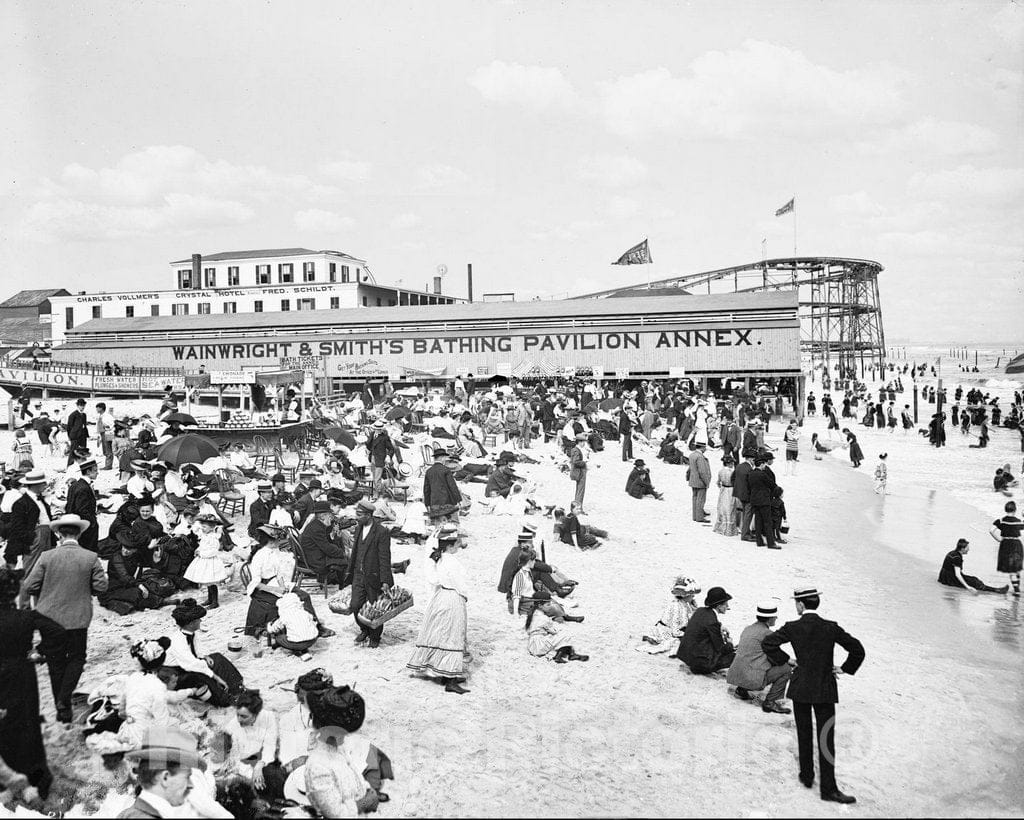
x=33, y=478
x=69, y=520
x=162, y=745
x=805, y=592
x=767, y=609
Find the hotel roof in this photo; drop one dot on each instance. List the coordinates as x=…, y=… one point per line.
x=226, y=256
x=32, y=298
x=442, y=314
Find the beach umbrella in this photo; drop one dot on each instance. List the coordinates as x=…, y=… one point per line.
x=187, y=448
x=498, y=378
x=396, y=413
x=610, y=404
x=590, y=407
x=181, y=418
x=341, y=435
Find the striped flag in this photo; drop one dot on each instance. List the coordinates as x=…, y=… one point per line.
x=637, y=255
x=785, y=209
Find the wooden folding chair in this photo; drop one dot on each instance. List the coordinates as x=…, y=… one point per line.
x=231, y=501
x=264, y=453
x=305, y=576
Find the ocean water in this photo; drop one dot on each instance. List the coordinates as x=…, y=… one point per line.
x=991, y=377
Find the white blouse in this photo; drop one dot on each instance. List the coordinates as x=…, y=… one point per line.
x=146, y=698
x=447, y=572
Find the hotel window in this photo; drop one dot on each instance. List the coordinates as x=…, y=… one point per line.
x=344, y=273
x=263, y=274
x=184, y=278
x=97, y=312
x=378, y=301
x=203, y=308
x=286, y=304
x=69, y=318
x=356, y=272
x=332, y=272
x=233, y=277
x=154, y=310
x=129, y=311
x=335, y=303
x=231, y=307
x=307, y=304
x=286, y=273
x=364, y=301
x=209, y=277
x=257, y=306
x=309, y=271
x=179, y=310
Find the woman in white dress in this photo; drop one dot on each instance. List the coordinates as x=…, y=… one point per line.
x=441, y=645
x=545, y=637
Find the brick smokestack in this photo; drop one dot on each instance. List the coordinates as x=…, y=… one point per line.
x=197, y=271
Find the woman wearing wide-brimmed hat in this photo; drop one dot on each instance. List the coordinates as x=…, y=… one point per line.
x=441, y=645
x=214, y=677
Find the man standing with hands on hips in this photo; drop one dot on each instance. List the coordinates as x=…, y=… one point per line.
x=813, y=685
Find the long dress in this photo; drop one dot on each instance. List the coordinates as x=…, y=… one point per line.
x=21, y=737
x=856, y=454
x=726, y=520
x=149, y=703
x=669, y=629
x=441, y=645
x=332, y=784
x=545, y=636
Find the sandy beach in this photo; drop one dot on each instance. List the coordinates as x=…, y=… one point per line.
x=930, y=724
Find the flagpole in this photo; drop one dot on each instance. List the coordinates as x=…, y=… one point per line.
x=794, y=225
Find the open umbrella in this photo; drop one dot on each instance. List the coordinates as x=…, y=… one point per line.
x=590, y=407
x=396, y=413
x=341, y=435
x=611, y=404
x=498, y=378
x=187, y=448
x=181, y=418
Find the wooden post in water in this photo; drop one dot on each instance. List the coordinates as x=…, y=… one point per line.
x=915, y=402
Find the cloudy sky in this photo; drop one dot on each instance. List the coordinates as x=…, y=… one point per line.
x=536, y=140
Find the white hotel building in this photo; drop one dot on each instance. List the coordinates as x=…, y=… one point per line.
x=258, y=281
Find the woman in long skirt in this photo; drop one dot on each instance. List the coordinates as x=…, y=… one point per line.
x=21, y=738
x=441, y=645
x=856, y=454
x=725, y=523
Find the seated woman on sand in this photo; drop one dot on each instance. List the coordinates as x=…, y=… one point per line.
x=569, y=530
x=670, y=627
x=545, y=638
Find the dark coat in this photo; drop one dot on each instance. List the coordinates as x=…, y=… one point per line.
x=439, y=486
x=749, y=440
x=740, y=481
x=259, y=514
x=639, y=483
x=702, y=641
x=21, y=533
x=318, y=548
x=379, y=447
x=813, y=639
x=371, y=558
x=140, y=808
x=78, y=432
x=82, y=502
x=761, y=488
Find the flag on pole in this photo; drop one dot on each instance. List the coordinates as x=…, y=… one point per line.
x=637, y=255
x=785, y=209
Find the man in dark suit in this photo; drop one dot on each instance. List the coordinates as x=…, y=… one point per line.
x=440, y=492
x=28, y=533
x=813, y=685
x=741, y=492
x=626, y=434
x=259, y=513
x=749, y=440
x=82, y=502
x=303, y=507
x=369, y=570
x=761, y=486
x=78, y=430
x=703, y=647
x=323, y=555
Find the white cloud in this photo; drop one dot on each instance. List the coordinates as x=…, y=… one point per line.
x=440, y=177
x=757, y=91
x=612, y=171
x=319, y=221
x=995, y=188
x=566, y=233
x=622, y=207
x=533, y=87
x=347, y=169
x=857, y=204
x=74, y=219
x=1008, y=23
x=404, y=222
x=934, y=137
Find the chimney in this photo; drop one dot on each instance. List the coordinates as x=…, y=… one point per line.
x=197, y=271
x=469, y=281
x=437, y=285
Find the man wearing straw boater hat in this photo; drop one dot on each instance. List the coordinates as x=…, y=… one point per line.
x=64, y=580
x=751, y=671
x=28, y=532
x=813, y=686
x=165, y=763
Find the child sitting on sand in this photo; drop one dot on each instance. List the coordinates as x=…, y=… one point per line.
x=294, y=629
x=672, y=624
